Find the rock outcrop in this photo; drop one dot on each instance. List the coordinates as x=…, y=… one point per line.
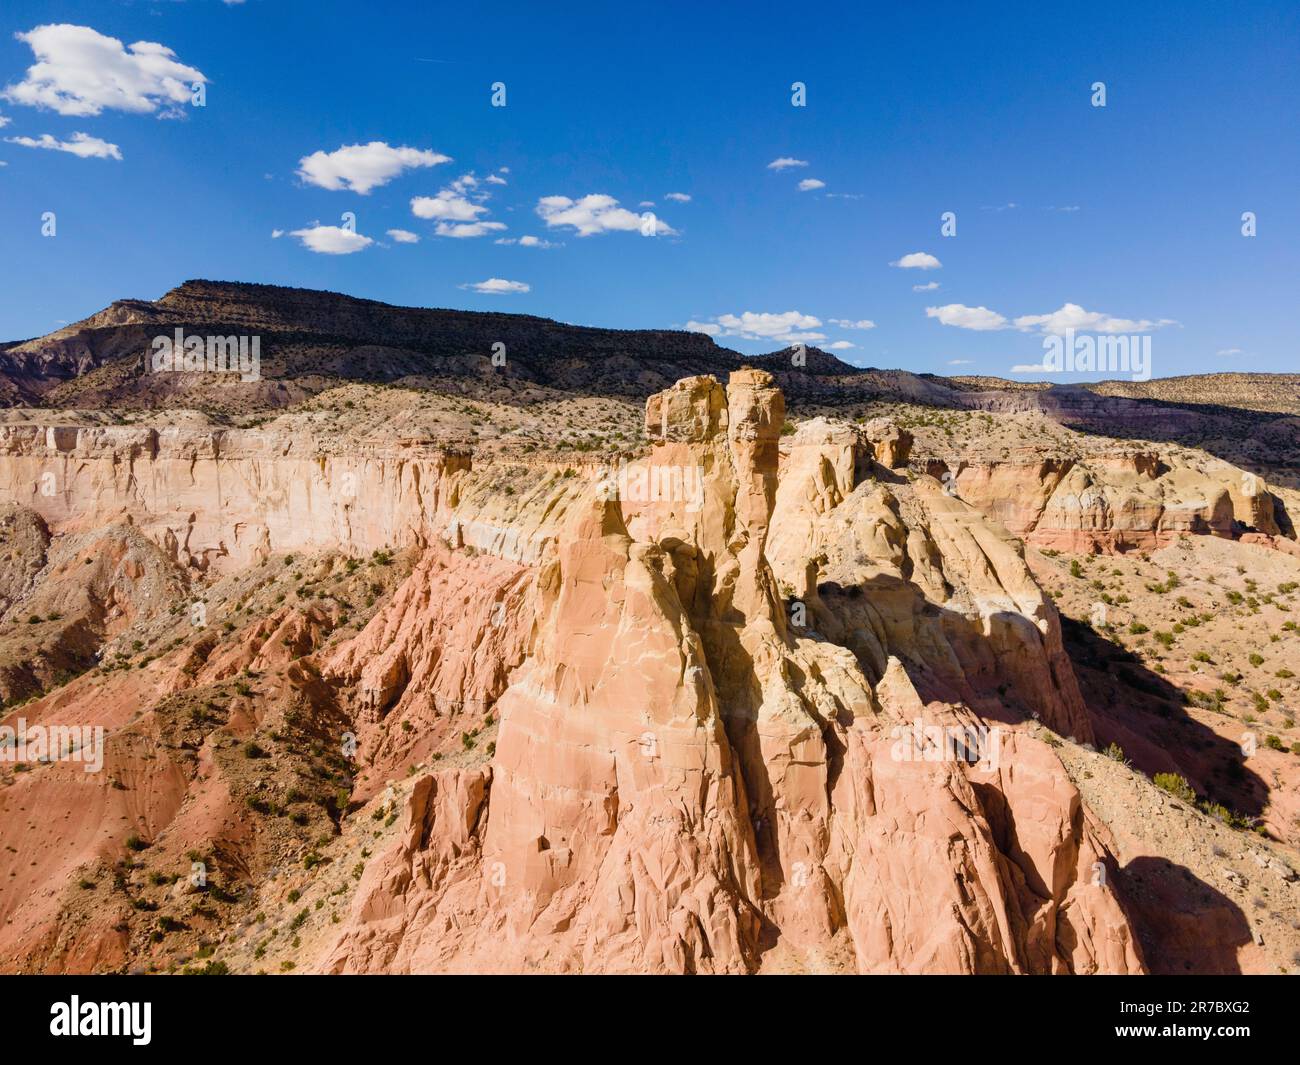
x=1117, y=500
x=684, y=776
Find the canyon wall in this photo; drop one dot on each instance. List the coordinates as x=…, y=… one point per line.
x=226, y=498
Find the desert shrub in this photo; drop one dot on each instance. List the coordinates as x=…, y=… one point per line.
x=1176, y=785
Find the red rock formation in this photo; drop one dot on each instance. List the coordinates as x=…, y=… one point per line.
x=682, y=776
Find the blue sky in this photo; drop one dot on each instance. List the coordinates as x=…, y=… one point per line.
x=1129, y=213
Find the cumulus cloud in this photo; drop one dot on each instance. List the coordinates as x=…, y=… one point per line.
x=710, y=328
x=276, y=234
x=404, y=236
x=981, y=319
x=917, y=260
x=362, y=167
x=1072, y=316
x=464, y=230
x=528, y=241
x=929, y=286
x=1069, y=316
x=808, y=184
x=458, y=209
x=680, y=197
x=841, y=345
x=785, y=162
x=331, y=240
x=788, y=327
x=595, y=213
x=79, y=71
x=1033, y=367
x=496, y=286
x=849, y=323
x=960, y=362
x=82, y=144
x=447, y=206
x=3, y=121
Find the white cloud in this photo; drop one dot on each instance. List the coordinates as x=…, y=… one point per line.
x=960, y=362
x=848, y=323
x=276, y=234
x=492, y=179
x=929, y=286
x=980, y=319
x=593, y=214
x=3, y=121
x=447, y=206
x=81, y=72
x=457, y=209
x=1033, y=367
x=331, y=240
x=362, y=167
x=710, y=328
x=1072, y=316
x=808, y=184
x=841, y=345
x=404, y=236
x=496, y=286
x=528, y=241
x=788, y=327
x=784, y=162
x=680, y=197
x=1230, y=351
x=82, y=144
x=464, y=230
x=917, y=260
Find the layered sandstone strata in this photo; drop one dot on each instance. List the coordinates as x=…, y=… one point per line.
x=1117, y=500
x=684, y=774
x=226, y=499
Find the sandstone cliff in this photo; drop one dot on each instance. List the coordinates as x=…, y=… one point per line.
x=683, y=777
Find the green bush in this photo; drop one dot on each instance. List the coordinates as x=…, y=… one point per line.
x=1176, y=785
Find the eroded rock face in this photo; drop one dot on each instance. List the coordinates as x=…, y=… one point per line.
x=1118, y=501
x=694, y=762
x=224, y=500
x=905, y=568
